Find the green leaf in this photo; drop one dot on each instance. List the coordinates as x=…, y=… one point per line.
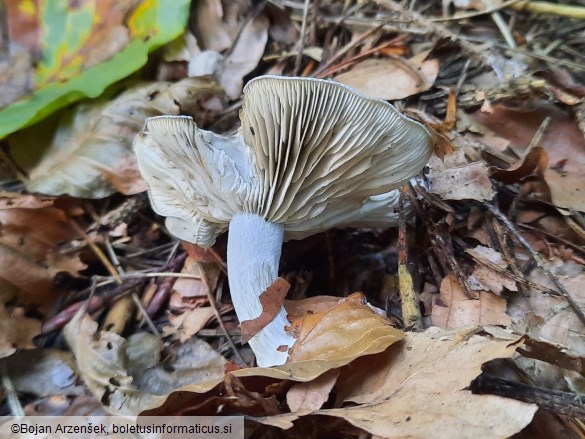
x=87, y=46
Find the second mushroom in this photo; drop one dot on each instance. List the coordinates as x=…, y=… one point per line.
x=310, y=155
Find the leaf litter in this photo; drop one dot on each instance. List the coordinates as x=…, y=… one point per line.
x=508, y=174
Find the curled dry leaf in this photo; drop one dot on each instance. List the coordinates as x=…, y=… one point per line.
x=16, y=331
x=91, y=152
x=214, y=31
x=102, y=363
x=271, y=301
x=563, y=142
x=534, y=163
x=328, y=340
x=456, y=310
x=350, y=329
x=457, y=179
x=30, y=255
x=392, y=78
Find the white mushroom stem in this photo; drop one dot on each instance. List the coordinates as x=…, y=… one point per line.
x=253, y=255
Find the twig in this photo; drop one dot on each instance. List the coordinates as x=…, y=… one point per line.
x=536, y=258
x=223, y=328
x=10, y=392
x=478, y=13
x=502, y=26
x=506, y=248
x=411, y=316
x=567, y=403
x=353, y=43
x=511, y=275
x=442, y=244
x=303, y=31
x=436, y=29
x=98, y=252
x=145, y=315
x=572, y=11
x=95, y=303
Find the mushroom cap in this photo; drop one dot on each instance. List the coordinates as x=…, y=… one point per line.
x=309, y=155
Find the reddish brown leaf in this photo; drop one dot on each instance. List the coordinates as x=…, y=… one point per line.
x=271, y=300
x=534, y=163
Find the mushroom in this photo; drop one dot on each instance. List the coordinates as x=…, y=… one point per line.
x=310, y=154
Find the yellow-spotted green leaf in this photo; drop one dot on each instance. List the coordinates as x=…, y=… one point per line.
x=77, y=48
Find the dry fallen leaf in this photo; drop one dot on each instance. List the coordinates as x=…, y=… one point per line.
x=348, y=330
x=193, y=292
x=547, y=317
x=212, y=31
x=91, y=153
x=563, y=142
x=313, y=394
x=416, y=389
x=16, y=331
x=534, y=163
x=44, y=372
x=30, y=256
x=456, y=310
x=392, y=78
x=192, y=321
x=271, y=301
x=457, y=179
x=244, y=56
x=484, y=278
x=103, y=361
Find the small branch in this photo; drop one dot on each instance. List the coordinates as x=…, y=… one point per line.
x=536, y=258
x=566, y=403
x=97, y=251
x=16, y=408
x=572, y=11
x=303, y=32
x=223, y=328
x=411, y=316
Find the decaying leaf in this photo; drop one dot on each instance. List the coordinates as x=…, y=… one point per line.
x=91, y=153
x=103, y=362
x=484, y=278
x=193, y=292
x=271, y=301
x=190, y=322
x=30, y=256
x=456, y=310
x=548, y=317
x=83, y=47
x=245, y=56
x=16, y=331
x=457, y=179
x=392, y=78
x=43, y=372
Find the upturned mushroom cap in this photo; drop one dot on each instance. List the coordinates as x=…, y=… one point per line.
x=309, y=155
